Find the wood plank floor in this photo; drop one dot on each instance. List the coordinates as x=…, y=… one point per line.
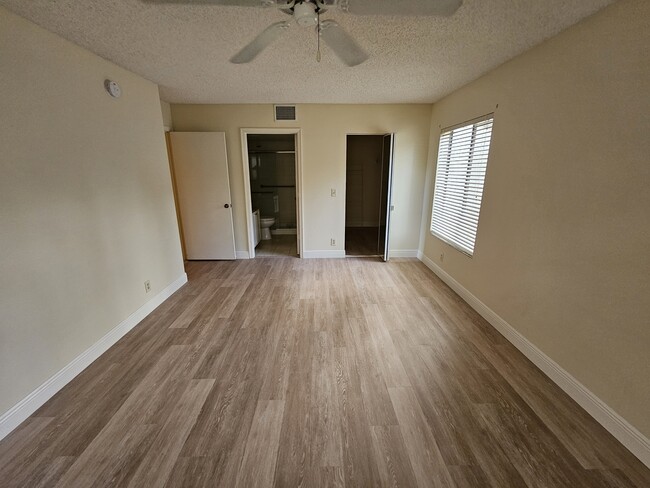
x=361, y=241
x=287, y=372
x=279, y=245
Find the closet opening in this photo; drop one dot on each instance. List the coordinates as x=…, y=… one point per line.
x=369, y=161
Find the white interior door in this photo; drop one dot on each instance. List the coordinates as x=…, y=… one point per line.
x=386, y=195
x=201, y=172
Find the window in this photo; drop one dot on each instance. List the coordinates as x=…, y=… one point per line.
x=460, y=175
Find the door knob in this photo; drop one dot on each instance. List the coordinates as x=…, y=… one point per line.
x=227, y=205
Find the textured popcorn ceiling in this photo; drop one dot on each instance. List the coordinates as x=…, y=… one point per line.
x=185, y=49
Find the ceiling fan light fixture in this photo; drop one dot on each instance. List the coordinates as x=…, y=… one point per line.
x=305, y=14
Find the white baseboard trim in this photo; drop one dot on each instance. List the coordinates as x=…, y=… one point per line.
x=637, y=443
x=284, y=232
x=28, y=405
x=403, y=253
x=323, y=254
x=242, y=255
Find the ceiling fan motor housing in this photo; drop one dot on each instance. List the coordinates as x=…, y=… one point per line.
x=304, y=14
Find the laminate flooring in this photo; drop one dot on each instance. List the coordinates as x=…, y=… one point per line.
x=361, y=241
x=280, y=245
x=287, y=372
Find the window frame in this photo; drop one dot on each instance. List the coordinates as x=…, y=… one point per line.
x=472, y=123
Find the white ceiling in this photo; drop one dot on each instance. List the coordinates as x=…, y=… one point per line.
x=185, y=49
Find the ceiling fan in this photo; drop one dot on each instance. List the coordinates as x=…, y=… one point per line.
x=306, y=13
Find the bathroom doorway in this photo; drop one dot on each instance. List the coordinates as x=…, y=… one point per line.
x=271, y=171
x=369, y=161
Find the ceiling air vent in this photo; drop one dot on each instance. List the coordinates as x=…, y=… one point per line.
x=284, y=112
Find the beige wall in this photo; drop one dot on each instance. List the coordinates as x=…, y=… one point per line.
x=324, y=130
x=562, y=251
x=86, y=208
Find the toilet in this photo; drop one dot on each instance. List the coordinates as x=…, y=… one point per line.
x=265, y=224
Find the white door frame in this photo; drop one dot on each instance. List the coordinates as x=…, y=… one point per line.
x=390, y=180
x=247, y=184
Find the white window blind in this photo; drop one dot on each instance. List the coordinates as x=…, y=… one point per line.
x=460, y=175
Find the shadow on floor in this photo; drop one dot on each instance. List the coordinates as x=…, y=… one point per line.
x=361, y=241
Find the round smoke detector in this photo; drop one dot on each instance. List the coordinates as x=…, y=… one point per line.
x=112, y=88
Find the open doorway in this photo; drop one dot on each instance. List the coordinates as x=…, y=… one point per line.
x=369, y=160
x=272, y=183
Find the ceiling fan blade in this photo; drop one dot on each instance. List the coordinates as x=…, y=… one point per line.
x=343, y=45
x=404, y=7
x=261, y=42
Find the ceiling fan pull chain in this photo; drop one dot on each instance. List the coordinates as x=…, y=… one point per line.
x=318, y=36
